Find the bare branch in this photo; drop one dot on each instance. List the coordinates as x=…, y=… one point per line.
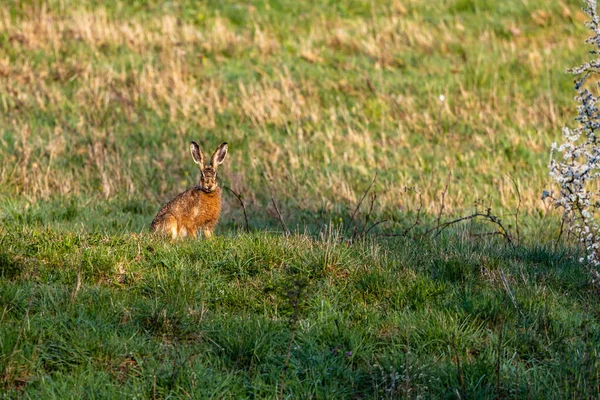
x=285, y=228
x=375, y=224
x=363, y=197
x=362, y=234
x=418, y=218
x=488, y=215
x=239, y=197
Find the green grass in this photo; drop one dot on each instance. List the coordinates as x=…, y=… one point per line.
x=98, y=103
x=212, y=319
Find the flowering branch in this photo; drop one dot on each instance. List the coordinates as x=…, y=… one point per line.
x=578, y=167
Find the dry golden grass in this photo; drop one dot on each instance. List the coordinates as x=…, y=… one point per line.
x=319, y=132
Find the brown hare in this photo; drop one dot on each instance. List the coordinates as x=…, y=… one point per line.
x=199, y=207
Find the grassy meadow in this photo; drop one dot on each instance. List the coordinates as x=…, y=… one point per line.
x=369, y=124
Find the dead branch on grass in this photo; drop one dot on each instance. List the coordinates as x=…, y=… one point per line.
x=417, y=221
x=439, y=226
x=487, y=216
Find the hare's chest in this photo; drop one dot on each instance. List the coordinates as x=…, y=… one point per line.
x=207, y=210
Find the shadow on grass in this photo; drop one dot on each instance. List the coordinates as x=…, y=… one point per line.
x=394, y=316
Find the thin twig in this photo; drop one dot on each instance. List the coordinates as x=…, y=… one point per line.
x=480, y=235
x=368, y=216
x=442, y=203
x=362, y=234
x=440, y=228
x=285, y=228
x=417, y=219
x=407, y=230
x=363, y=197
x=375, y=224
x=239, y=197
x=488, y=215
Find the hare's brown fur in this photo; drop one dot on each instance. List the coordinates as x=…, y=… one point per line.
x=190, y=211
x=198, y=207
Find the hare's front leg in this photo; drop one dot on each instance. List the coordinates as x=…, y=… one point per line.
x=208, y=232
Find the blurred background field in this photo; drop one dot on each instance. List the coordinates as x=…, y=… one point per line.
x=98, y=103
x=100, y=100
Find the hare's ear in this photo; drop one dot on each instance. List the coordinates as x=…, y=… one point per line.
x=197, y=154
x=219, y=155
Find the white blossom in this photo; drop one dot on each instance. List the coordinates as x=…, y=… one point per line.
x=575, y=164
